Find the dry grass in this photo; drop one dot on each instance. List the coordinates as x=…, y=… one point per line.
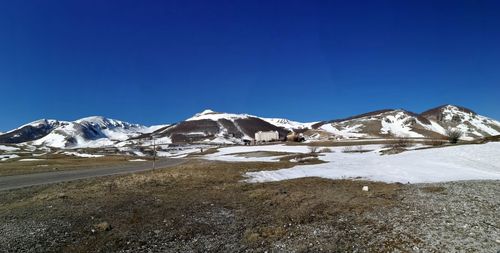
x=57, y=162
x=355, y=149
x=207, y=151
x=435, y=142
x=260, y=154
x=196, y=199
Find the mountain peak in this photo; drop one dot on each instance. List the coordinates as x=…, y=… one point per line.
x=92, y=119
x=449, y=108
x=212, y=115
x=206, y=111
x=458, y=108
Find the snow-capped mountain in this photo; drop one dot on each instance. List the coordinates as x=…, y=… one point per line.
x=86, y=132
x=382, y=124
x=467, y=121
x=217, y=127
x=289, y=124
x=400, y=123
x=31, y=131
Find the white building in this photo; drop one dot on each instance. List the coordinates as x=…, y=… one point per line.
x=261, y=136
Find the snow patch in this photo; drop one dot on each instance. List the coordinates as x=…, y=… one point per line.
x=82, y=154
x=7, y=157
x=31, y=160
x=230, y=154
x=346, y=132
x=397, y=125
x=288, y=124
x=466, y=162
x=211, y=115
x=8, y=148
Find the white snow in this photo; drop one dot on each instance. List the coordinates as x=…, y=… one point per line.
x=221, y=140
x=470, y=122
x=288, y=124
x=181, y=153
x=137, y=160
x=435, y=127
x=148, y=142
x=52, y=140
x=397, y=126
x=346, y=132
x=154, y=128
x=82, y=154
x=466, y=162
x=230, y=153
x=7, y=157
x=30, y=160
x=38, y=123
x=280, y=122
x=211, y=115
x=95, y=131
x=8, y=148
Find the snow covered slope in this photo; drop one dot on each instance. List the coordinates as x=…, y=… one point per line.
x=468, y=122
x=279, y=122
x=289, y=124
x=382, y=124
x=31, y=131
x=93, y=131
x=400, y=123
x=464, y=162
x=229, y=128
x=217, y=127
x=211, y=115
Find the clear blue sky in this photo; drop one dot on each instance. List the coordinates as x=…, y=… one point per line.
x=155, y=62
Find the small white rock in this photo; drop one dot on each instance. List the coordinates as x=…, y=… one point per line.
x=365, y=188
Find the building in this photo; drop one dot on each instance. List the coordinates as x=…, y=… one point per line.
x=266, y=136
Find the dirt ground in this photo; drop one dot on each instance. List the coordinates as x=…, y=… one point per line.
x=58, y=162
x=203, y=206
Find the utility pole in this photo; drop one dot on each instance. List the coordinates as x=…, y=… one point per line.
x=154, y=152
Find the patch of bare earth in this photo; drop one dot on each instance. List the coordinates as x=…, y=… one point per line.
x=206, y=207
x=58, y=162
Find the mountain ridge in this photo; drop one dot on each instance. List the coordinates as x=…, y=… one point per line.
x=231, y=128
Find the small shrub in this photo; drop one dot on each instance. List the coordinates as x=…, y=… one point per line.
x=313, y=149
x=347, y=149
x=325, y=150
x=398, y=146
x=454, y=135
x=434, y=143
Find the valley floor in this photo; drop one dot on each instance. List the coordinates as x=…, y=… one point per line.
x=206, y=206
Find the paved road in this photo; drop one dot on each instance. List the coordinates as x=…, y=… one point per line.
x=20, y=181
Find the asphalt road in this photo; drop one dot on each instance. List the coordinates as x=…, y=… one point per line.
x=20, y=181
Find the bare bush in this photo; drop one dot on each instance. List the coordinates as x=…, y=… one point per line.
x=313, y=149
x=434, y=142
x=454, y=135
x=399, y=145
x=403, y=143
x=325, y=150
x=357, y=149
x=347, y=149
